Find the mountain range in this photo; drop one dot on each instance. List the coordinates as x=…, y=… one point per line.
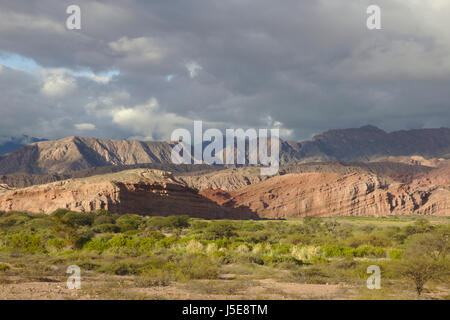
x=360, y=144
x=355, y=172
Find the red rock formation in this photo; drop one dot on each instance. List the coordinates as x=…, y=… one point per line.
x=142, y=191
x=331, y=194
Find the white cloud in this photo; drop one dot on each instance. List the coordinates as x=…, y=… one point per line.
x=147, y=120
x=13, y=22
x=57, y=82
x=101, y=78
x=84, y=126
x=193, y=68
x=138, y=50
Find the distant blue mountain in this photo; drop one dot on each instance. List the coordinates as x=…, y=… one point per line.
x=9, y=144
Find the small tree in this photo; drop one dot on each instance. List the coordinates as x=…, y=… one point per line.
x=425, y=259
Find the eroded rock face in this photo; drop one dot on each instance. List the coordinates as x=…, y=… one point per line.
x=142, y=191
x=331, y=194
x=156, y=192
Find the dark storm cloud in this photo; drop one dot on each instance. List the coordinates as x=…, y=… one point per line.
x=306, y=66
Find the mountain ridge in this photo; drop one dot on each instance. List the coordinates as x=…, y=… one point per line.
x=355, y=144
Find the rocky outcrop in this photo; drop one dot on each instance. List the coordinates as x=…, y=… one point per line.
x=332, y=194
x=228, y=179
x=142, y=191
x=157, y=192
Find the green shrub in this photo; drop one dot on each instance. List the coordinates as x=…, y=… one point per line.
x=75, y=219
x=26, y=243
x=166, y=242
x=198, y=267
x=55, y=243
x=119, y=241
x=154, y=277
x=155, y=235
x=251, y=226
x=331, y=251
x=4, y=267
x=120, y=268
x=170, y=222
x=40, y=224
x=129, y=222
x=59, y=213
x=280, y=259
x=178, y=222
x=107, y=227
x=103, y=219
x=219, y=229
x=79, y=241
x=395, y=253
x=102, y=212
x=97, y=245
x=14, y=219
x=369, y=251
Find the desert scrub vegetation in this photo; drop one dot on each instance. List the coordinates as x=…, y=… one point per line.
x=158, y=251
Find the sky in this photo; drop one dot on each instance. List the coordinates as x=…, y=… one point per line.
x=140, y=69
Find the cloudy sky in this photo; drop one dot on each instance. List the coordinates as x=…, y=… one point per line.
x=139, y=69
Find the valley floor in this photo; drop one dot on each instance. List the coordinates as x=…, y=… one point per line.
x=177, y=258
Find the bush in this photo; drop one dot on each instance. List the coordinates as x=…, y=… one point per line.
x=75, y=219
x=170, y=222
x=55, y=243
x=107, y=227
x=59, y=213
x=178, y=222
x=102, y=212
x=79, y=241
x=26, y=243
x=119, y=241
x=40, y=224
x=96, y=245
x=395, y=253
x=219, y=229
x=305, y=253
x=194, y=246
x=129, y=222
x=369, y=251
x=198, y=267
x=331, y=251
x=120, y=268
x=155, y=235
x=154, y=277
x=103, y=219
x=4, y=267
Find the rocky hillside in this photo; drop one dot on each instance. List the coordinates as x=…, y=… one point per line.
x=76, y=153
x=358, y=192
x=142, y=191
x=333, y=194
x=361, y=144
